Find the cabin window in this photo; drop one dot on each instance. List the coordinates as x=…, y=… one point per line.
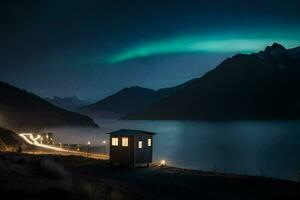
x=125, y=141
x=140, y=144
x=114, y=141
x=149, y=142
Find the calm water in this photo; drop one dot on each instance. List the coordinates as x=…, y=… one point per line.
x=251, y=147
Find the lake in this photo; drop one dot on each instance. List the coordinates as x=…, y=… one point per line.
x=271, y=148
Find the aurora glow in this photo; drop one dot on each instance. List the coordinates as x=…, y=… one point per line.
x=104, y=46
x=201, y=45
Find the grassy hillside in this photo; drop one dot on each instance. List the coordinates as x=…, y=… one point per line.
x=70, y=177
x=10, y=141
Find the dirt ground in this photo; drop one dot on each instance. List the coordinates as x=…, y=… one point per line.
x=73, y=177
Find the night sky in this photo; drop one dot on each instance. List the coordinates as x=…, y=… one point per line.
x=94, y=48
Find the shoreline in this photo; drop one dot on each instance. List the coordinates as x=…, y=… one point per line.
x=105, y=157
x=76, y=176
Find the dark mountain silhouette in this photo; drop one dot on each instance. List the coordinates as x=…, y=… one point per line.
x=263, y=85
x=127, y=101
x=68, y=103
x=23, y=111
x=10, y=141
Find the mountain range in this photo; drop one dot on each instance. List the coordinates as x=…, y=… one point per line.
x=127, y=101
x=68, y=103
x=24, y=111
x=263, y=85
x=254, y=86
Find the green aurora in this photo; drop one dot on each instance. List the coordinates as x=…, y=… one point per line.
x=190, y=44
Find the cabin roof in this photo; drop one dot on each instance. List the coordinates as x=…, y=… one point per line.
x=129, y=132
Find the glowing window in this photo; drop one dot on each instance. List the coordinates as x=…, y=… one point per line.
x=114, y=141
x=149, y=142
x=140, y=144
x=125, y=141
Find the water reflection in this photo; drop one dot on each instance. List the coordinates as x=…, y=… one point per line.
x=269, y=147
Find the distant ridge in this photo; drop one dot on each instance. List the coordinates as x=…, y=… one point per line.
x=68, y=103
x=126, y=101
x=262, y=85
x=23, y=111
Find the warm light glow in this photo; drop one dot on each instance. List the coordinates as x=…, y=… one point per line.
x=140, y=144
x=104, y=142
x=162, y=162
x=89, y=142
x=125, y=141
x=149, y=142
x=114, y=141
x=30, y=139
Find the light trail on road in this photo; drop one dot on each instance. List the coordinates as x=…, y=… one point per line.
x=36, y=143
x=30, y=139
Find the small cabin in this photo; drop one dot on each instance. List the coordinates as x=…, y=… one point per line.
x=131, y=147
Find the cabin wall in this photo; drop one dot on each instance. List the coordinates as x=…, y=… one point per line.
x=143, y=155
x=120, y=154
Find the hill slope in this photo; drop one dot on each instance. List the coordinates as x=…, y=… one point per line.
x=127, y=101
x=258, y=86
x=68, y=103
x=9, y=141
x=23, y=111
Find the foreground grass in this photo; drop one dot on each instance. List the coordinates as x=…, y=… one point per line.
x=73, y=177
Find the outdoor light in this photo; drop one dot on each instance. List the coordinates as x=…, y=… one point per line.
x=162, y=162
x=104, y=142
x=88, y=149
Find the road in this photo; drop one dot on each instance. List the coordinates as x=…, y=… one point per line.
x=49, y=149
